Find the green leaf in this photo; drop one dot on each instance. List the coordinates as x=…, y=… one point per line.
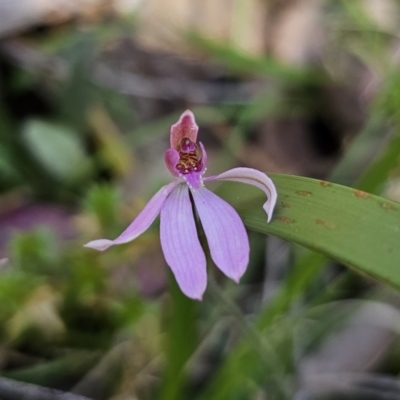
x=356, y=228
x=102, y=200
x=57, y=148
x=53, y=373
x=380, y=169
x=180, y=342
x=240, y=61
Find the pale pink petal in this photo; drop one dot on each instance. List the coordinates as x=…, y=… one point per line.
x=252, y=177
x=171, y=158
x=180, y=244
x=140, y=224
x=185, y=127
x=226, y=234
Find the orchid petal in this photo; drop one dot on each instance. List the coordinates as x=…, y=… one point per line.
x=180, y=244
x=225, y=232
x=171, y=158
x=140, y=224
x=185, y=127
x=252, y=177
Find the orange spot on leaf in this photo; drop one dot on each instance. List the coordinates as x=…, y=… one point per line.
x=389, y=207
x=324, y=183
x=284, y=205
x=286, y=220
x=361, y=195
x=303, y=193
x=326, y=224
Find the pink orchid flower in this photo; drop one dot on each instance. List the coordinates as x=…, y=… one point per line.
x=226, y=235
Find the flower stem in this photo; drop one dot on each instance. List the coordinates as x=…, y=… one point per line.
x=265, y=349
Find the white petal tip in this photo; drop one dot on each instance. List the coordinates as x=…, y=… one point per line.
x=187, y=113
x=101, y=244
x=269, y=210
x=196, y=297
x=236, y=278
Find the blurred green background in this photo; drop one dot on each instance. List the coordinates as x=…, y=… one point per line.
x=88, y=91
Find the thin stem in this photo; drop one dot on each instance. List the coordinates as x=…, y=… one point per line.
x=267, y=352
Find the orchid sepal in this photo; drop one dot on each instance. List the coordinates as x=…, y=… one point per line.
x=140, y=224
x=253, y=177
x=185, y=127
